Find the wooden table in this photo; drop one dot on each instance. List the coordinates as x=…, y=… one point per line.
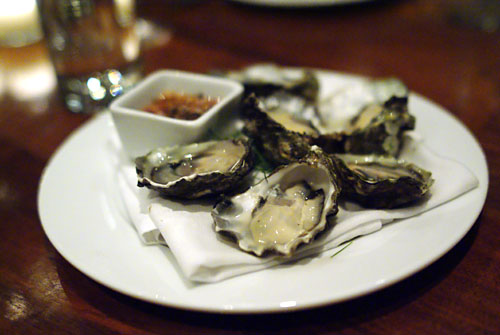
x=420, y=41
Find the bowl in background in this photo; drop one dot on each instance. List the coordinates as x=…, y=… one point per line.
x=142, y=131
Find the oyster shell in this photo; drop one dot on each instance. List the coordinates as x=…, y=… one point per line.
x=284, y=210
x=381, y=182
x=377, y=129
x=277, y=143
x=288, y=95
x=336, y=110
x=265, y=79
x=292, y=111
x=195, y=170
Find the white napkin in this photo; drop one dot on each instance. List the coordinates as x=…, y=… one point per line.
x=203, y=256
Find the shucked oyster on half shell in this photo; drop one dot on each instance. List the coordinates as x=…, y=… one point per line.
x=377, y=129
x=195, y=170
x=265, y=79
x=381, y=182
x=284, y=210
x=342, y=105
x=288, y=95
x=279, y=144
x=292, y=111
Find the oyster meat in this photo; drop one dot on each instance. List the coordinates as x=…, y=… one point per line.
x=284, y=210
x=195, y=170
x=381, y=182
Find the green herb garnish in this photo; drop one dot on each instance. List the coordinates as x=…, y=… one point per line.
x=261, y=163
x=343, y=248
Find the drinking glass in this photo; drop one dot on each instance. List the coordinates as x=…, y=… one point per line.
x=94, y=48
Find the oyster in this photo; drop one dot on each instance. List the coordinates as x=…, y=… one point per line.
x=284, y=210
x=377, y=129
x=381, y=182
x=336, y=110
x=277, y=143
x=293, y=112
x=288, y=95
x=195, y=170
x=265, y=79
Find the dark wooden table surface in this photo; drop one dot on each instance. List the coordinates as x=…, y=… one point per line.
x=426, y=43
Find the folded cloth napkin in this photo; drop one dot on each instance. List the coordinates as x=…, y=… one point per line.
x=203, y=256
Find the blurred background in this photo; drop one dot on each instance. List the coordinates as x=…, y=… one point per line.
x=409, y=39
x=28, y=75
x=445, y=50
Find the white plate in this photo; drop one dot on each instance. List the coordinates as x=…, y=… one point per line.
x=300, y=3
x=83, y=217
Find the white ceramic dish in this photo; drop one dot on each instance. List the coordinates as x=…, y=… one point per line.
x=300, y=3
x=140, y=131
x=86, y=222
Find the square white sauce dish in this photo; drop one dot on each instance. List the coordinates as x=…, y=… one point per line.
x=141, y=131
